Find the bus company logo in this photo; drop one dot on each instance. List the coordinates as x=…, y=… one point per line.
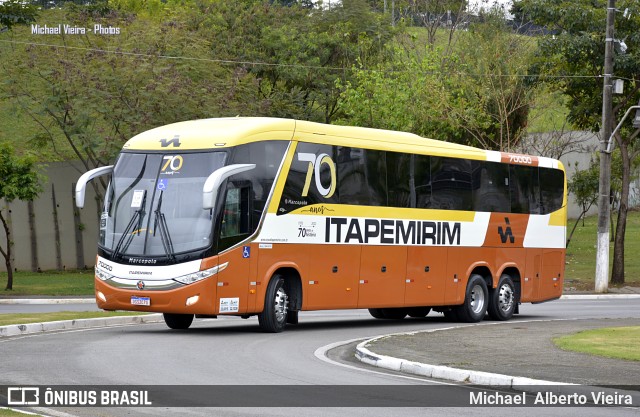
x=175, y=142
x=392, y=232
x=140, y=285
x=506, y=233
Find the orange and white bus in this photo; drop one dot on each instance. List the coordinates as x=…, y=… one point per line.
x=269, y=217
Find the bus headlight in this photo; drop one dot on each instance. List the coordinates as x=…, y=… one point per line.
x=200, y=275
x=102, y=274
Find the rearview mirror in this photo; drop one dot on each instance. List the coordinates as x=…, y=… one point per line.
x=81, y=186
x=212, y=184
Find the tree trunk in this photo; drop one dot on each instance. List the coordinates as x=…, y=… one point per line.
x=7, y=253
x=56, y=228
x=617, y=276
x=34, y=237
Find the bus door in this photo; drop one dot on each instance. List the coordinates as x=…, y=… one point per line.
x=426, y=272
x=333, y=277
x=383, y=271
x=234, y=280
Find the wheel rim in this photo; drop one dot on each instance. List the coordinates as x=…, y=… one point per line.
x=477, y=299
x=281, y=304
x=505, y=298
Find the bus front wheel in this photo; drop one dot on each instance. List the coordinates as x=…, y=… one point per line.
x=178, y=321
x=475, y=300
x=276, y=305
x=502, y=299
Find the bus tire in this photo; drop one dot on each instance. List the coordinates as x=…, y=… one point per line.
x=394, y=313
x=178, y=321
x=450, y=314
x=273, y=318
x=475, y=300
x=292, y=317
x=376, y=313
x=418, y=312
x=502, y=299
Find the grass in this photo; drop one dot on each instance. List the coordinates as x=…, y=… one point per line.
x=581, y=253
x=26, y=318
x=6, y=412
x=611, y=342
x=52, y=283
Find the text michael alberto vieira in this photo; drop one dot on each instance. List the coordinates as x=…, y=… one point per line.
x=65, y=29
x=549, y=398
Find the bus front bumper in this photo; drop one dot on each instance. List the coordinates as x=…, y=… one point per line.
x=196, y=298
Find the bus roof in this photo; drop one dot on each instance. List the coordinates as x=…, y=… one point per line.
x=221, y=133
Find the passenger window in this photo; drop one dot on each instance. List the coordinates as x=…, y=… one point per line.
x=551, y=189
x=451, y=184
x=362, y=176
x=235, y=225
x=525, y=189
x=400, y=190
x=491, y=187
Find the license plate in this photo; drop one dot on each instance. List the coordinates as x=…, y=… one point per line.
x=140, y=301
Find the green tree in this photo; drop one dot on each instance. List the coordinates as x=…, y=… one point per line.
x=15, y=12
x=574, y=55
x=88, y=98
x=20, y=181
x=584, y=186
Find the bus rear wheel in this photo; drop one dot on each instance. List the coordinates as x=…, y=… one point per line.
x=273, y=318
x=418, y=312
x=394, y=313
x=475, y=301
x=178, y=321
x=502, y=299
x=376, y=313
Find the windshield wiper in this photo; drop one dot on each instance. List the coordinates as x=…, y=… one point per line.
x=122, y=246
x=161, y=223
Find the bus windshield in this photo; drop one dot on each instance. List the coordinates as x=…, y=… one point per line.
x=153, y=206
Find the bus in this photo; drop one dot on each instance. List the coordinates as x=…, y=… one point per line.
x=270, y=217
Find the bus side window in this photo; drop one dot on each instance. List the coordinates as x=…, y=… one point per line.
x=525, y=189
x=235, y=225
x=551, y=189
x=491, y=187
x=422, y=181
x=362, y=176
x=401, y=193
x=451, y=183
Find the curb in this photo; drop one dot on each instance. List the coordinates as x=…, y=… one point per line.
x=35, y=328
x=364, y=355
x=47, y=300
x=600, y=297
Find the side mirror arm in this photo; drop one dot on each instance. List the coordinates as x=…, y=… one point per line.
x=81, y=185
x=213, y=182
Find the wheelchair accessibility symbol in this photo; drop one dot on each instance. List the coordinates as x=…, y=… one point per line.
x=162, y=184
x=246, y=251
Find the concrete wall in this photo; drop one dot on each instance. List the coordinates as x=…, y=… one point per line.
x=62, y=176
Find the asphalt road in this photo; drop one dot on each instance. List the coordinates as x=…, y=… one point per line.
x=231, y=351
